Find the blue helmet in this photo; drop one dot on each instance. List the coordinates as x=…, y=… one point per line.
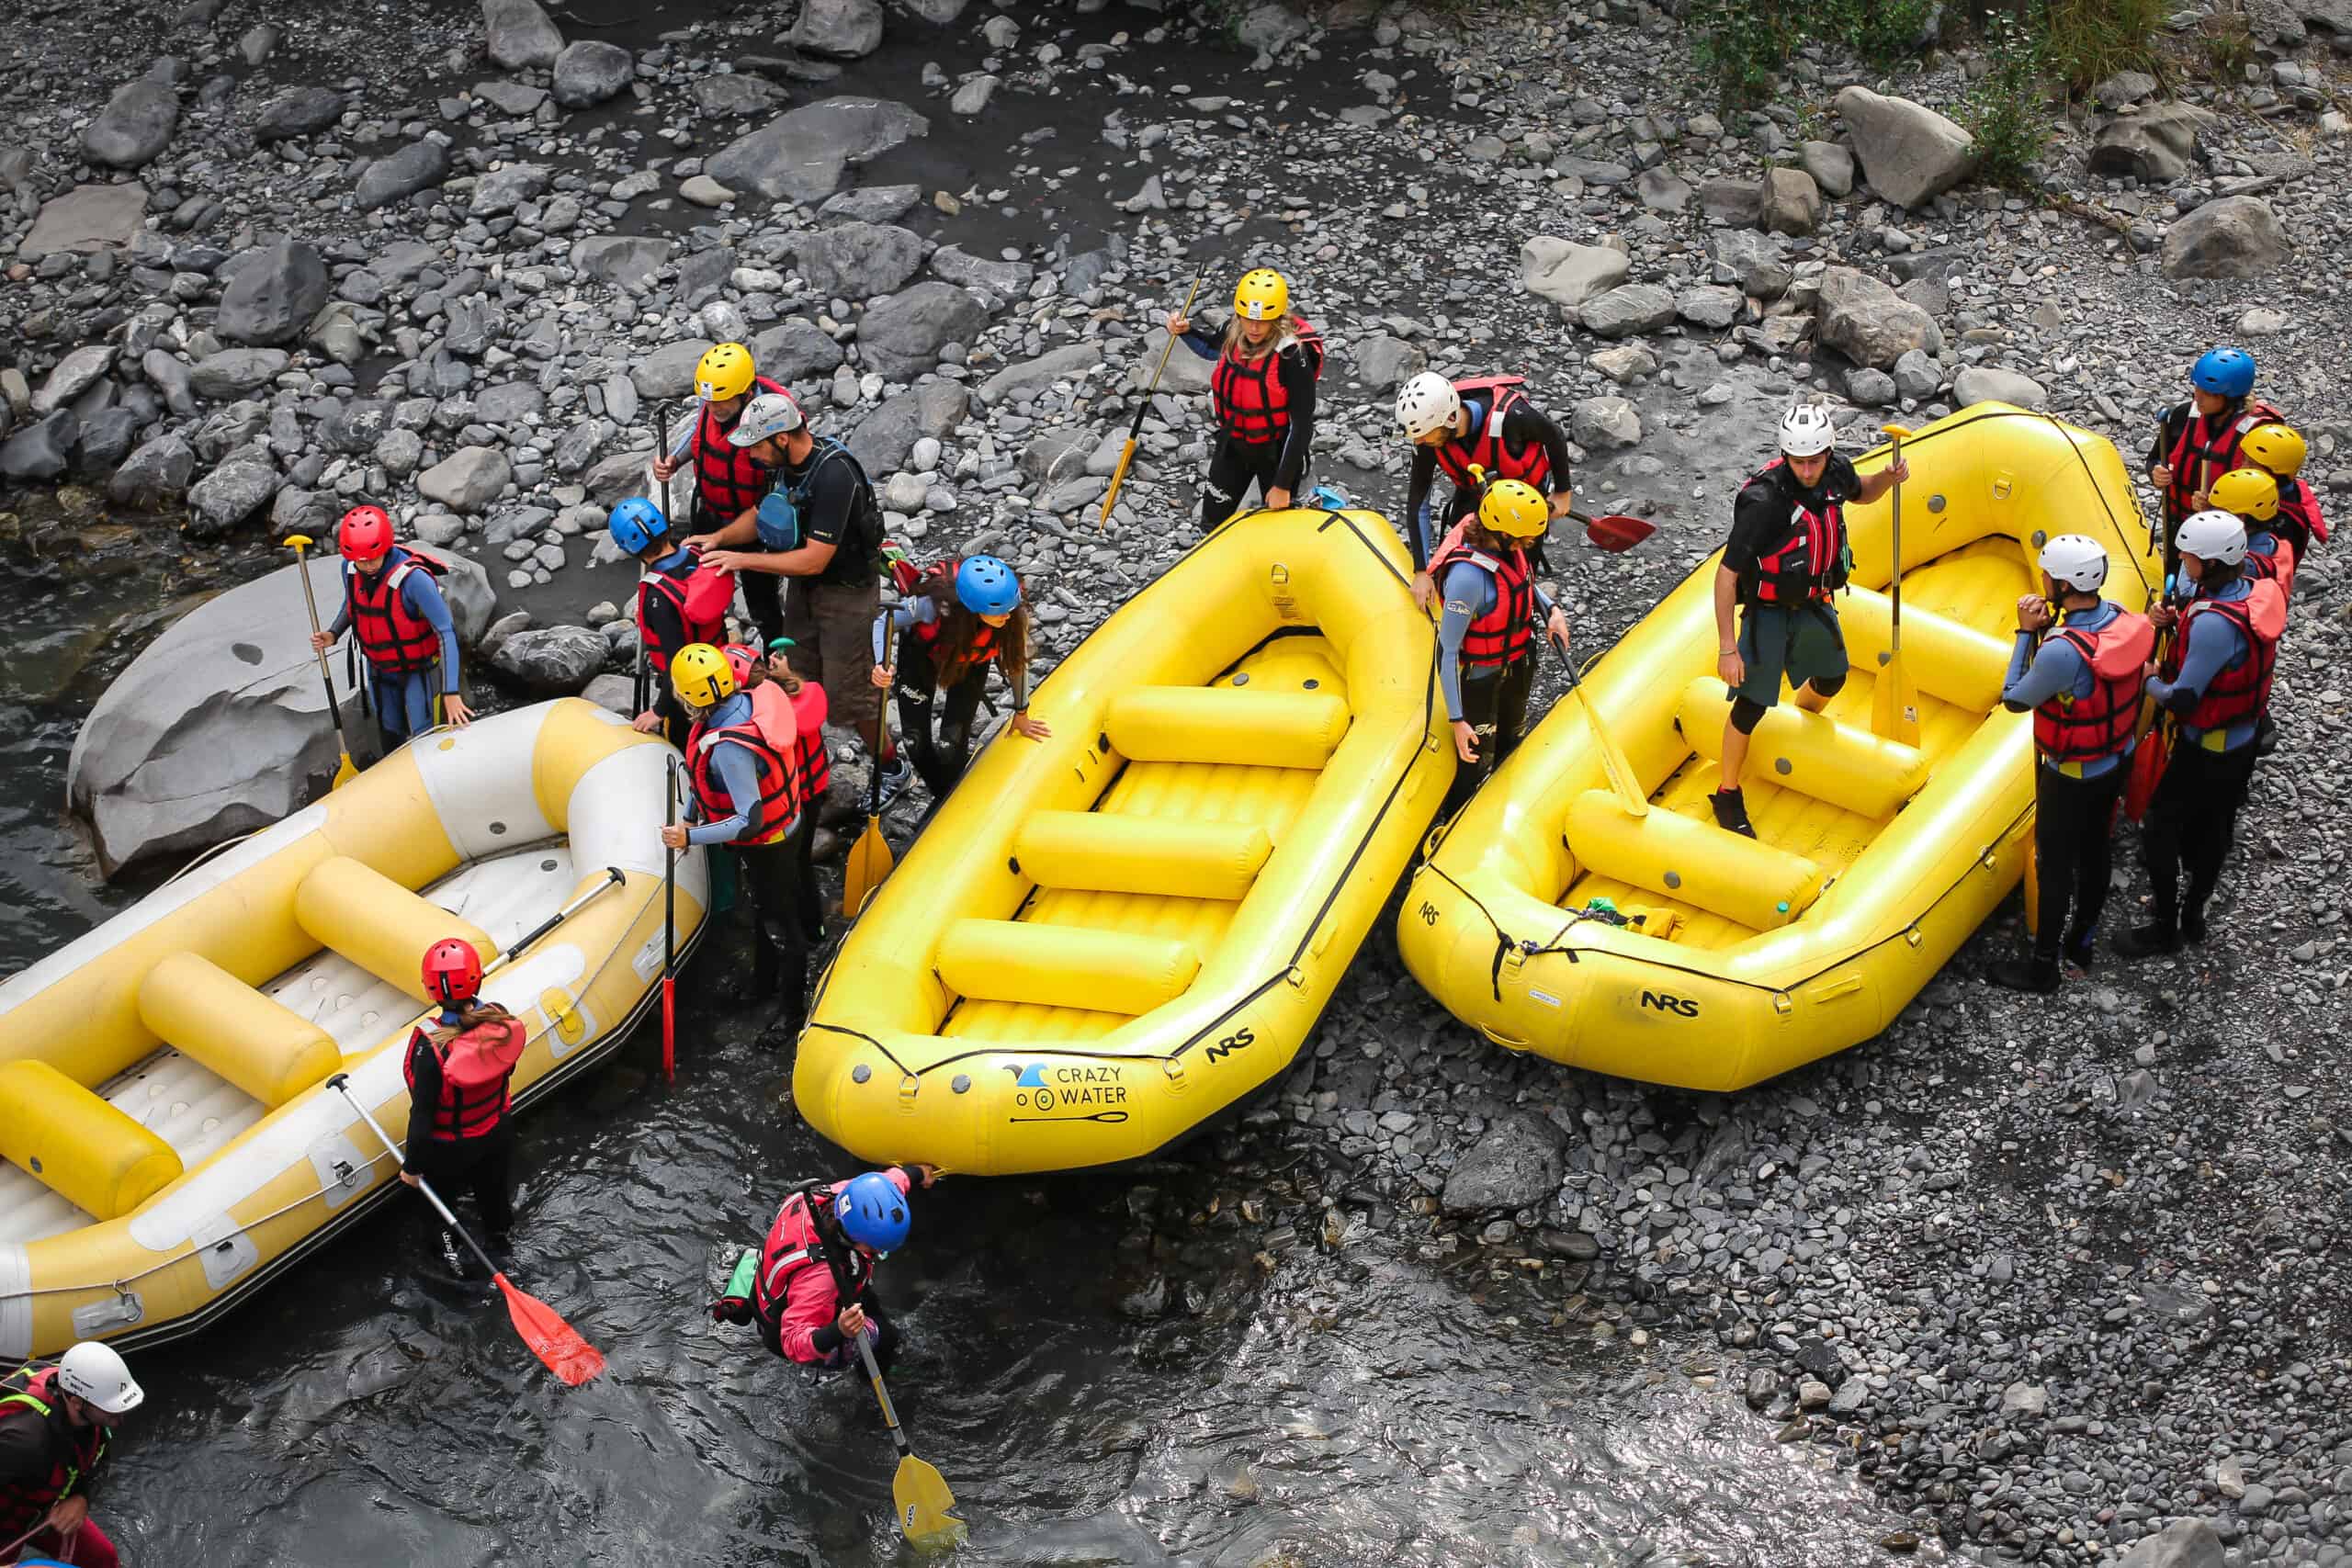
x=986, y=586
x=635, y=523
x=873, y=1212
x=2224, y=372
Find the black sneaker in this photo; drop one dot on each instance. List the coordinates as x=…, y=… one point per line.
x=1731, y=812
x=2192, y=927
x=2150, y=941
x=2039, y=976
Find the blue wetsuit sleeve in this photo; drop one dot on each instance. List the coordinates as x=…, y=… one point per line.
x=2037, y=677
x=897, y=618
x=1204, y=343
x=1468, y=593
x=424, y=596
x=2212, y=642
x=738, y=774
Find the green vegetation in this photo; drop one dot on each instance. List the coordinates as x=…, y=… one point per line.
x=2004, y=111
x=2086, y=41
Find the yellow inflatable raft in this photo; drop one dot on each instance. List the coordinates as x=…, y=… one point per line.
x=1875, y=860
x=170, y=1143
x=1103, y=938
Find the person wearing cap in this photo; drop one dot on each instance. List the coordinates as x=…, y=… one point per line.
x=2081, y=678
x=821, y=496
x=955, y=619
x=1262, y=388
x=1786, y=556
x=1488, y=425
x=55, y=1421
x=393, y=605
x=810, y=1286
x=1485, y=636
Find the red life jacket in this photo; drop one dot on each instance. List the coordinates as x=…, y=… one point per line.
x=816, y=761
x=778, y=753
x=702, y=598
x=727, y=482
x=1248, y=396
x=1809, y=563
x=2299, y=517
x=395, y=638
x=30, y=1395
x=1485, y=447
x=2101, y=724
x=1504, y=633
x=2275, y=565
x=2205, y=449
x=793, y=1244
x=2242, y=690
x=476, y=1070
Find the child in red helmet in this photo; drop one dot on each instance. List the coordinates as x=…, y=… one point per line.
x=393, y=605
x=459, y=1120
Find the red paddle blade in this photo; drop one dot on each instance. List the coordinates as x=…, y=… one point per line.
x=1615, y=531
x=2147, y=767
x=551, y=1339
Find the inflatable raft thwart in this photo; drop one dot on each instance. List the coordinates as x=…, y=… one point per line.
x=170, y=1142
x=1103, y=938
x=1726, y=961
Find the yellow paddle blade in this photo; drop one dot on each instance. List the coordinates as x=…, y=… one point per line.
x=869, y=862
x=1118, y=477
x=344, y=772
x=926, y=1508
x=1894, y=703
x=1613, y=763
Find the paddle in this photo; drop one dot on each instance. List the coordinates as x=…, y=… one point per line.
x=869, y=858
x=554, y=1341
x=926, y=1506
x=1894, y=698
x=1621, y=777
x=2155, y=750
x=344, y=772
x=1143, y=405
x=1614, y=531
x=670, y=926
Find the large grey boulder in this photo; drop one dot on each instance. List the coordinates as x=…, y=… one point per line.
x=1067, y=362
x=791, y=351
x=1515, y=1166
x=219, y=726
x=136, y=124
x=1831, y=166
x=857, y=261
x=1791, y=202
x=72, y=376
x=555, y=660
x=590, y=71
x=41, y=450
x=87, y=218
x=1569, y=273
x=417, y=166
x=799, y=155
x=2237, y=236
x=1986, y=383
x=838, y=29
x=1868, y=322
x=519, y=35
x=1382, y=361
x=298, y=111
x=275, y=293
x=1603, y=423
x=1630, y=309
x=467, y=479
x=902, y=336
x=154, y=476
x=1908, y=151
x=1005, y=280
x=2154, y=146
x=2184, y=1543
x=888, y=434
x=625, y=261
x=669, y=371
x=240, y=486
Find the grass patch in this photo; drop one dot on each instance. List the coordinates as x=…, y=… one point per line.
x=2227, y=45
x=2004, y=109
x=2086, y=41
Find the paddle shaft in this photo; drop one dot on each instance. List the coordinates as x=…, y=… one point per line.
x=889, y=1414
x=1143, y=404
x=669, y=926
x=1895, y=588
x=613, y=878
x=341, y=1084
x=310, y=601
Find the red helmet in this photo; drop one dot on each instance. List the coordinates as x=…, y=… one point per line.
x=365, y=533
x=452, y=968
x=741, y=660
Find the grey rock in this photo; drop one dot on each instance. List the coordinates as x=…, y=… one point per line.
x=170, y=377
x=1269, y=27
x=2154, y=146
x=233, y=372
x=519, y=35
x=1662, y=190
x=503, y=190
x=218, y=728
x=1755, y=260
x=86, y=218
x=704, y=191
x=229, y=428
x=735, y=93
x=1737, y=203
x=1605, y=422
x=466, y=585
x=1383, y=361
x=614, y=693
x=418, y=166
x=472, y=327
x=277, y=290
x=1069, y=362
x=1187, y=371
x=1984, y=384
x=800, y=155
x=399, y=451
x=2261, y=320
x=902, y=336
x=1868, y=322
x=72, y=376
x=1006, y=280
x=1870, y=388
x=107, y=436
x=838, y=29
x=136, y=124
x=1625, y=311
x=2123, y=87
x=669, y=371
x=1514, y=1165
x=2237, y=236
x=298, y=111
x=871, y=204
x=973, y=96
x=41, y=450
x=1708, y=305
x=1917, y=376
x=356, y=426
x=1569, y=273
x=624, y=261
x=1908, y=151
x=232, y=492
x=556, y=659
x=467, y=479
x=795, y=350
x=1625, y=364
x=154, y=476
x=938, y=13
x=590, y=71
x=2184, y=1543
x=858, y=261
x=888, y=436
x=1791, y=202
x=579, y=446
x=1831, y=166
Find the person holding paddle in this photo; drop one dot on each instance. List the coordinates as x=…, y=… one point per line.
x=811, y=1287
x=55, y=1421
x=2214, y=682
x=392, y=604
x=956, y=617
x=1786, y=556
x=1263, y=391
x=1486, y=632
x=2198, y=441
x=2081, y=681
x=1485, y=425
x=460, y=1121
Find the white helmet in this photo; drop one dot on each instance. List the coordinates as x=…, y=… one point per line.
x=1806, y=430
x=770, y=414
x=2075, y=561
x=1428, y=402
x=92, y=1371
x=2213, y=536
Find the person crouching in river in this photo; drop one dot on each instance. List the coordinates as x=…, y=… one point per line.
x=460, y=1111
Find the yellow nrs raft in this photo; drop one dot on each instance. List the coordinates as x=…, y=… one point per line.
x=1873, y=861
x=170, y=1141
x=1103, y=938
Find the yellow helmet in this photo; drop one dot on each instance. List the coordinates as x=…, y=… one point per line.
x=1514, y=508
x=1260, y=296
x=2275, y=449
x=701, y=676
x=725, y=372
x=2245, y=492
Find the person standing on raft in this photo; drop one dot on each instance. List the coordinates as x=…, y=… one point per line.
x=1486, y=632
x=55, y=1421
x=1263, y=391
x=954, y=620
x=1488, y=425
x=460, y=1122
x=810, y=1286
x=395, y=609
x=1786, y=555
x=2082, y=682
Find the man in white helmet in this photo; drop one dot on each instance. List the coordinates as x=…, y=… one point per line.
x=2082, y=680
x=1487, y=424
x=1787, y=554
x=55, y=1422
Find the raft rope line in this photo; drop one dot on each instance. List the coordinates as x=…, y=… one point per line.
x=120, y=1286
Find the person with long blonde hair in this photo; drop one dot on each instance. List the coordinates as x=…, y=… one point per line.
x=1263, y=392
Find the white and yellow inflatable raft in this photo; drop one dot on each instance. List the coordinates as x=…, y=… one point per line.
x=170, y=1143
x=1105, y=938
